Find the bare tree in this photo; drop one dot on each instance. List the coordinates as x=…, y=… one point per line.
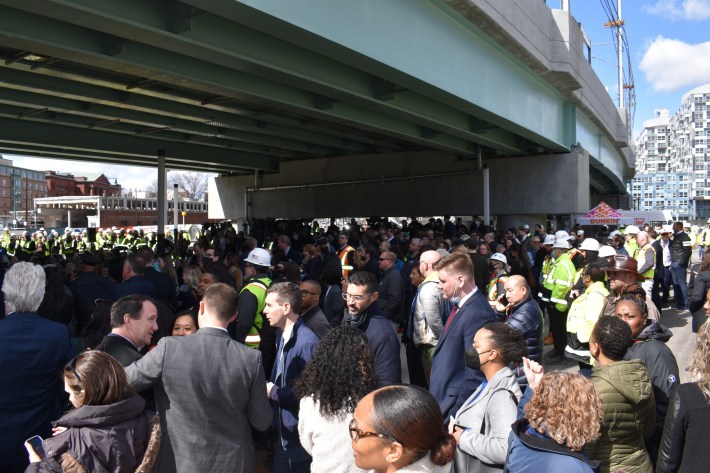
x=193, y=184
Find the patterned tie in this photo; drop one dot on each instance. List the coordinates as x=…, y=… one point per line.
x=279, y=361
x=452, y=314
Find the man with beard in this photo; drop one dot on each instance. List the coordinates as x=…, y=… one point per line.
x=364, y=314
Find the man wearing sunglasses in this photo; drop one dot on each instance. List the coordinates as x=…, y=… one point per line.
x=364, y=313
x=311, y=313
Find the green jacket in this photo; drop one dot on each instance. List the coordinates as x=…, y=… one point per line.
x=629, y=416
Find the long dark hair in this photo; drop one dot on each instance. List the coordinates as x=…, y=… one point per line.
x=340, y=372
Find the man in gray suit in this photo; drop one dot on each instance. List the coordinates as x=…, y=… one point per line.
x=210, y=390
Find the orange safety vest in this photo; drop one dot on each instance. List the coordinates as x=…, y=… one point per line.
x=343, y=255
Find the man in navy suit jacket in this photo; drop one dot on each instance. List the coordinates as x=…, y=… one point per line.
x=33, y=352
x=452, y=382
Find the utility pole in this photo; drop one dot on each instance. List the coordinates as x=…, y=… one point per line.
x=618, y=23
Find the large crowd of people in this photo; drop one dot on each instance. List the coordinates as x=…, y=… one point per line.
x=124, y=353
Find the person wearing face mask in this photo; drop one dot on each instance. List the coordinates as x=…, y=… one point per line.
x=482, y=425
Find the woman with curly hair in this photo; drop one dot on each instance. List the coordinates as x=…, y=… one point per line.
x=562, y=414
x=627, y=400
x=400, y=428
x=684, y=445
x=338, y=375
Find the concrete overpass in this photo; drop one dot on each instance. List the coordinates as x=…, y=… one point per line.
x=320, y=107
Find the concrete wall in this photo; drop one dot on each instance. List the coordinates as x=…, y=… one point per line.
x=532, y=185
x=550, y=42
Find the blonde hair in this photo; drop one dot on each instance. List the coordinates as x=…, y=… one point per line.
x=700, y=360
x=567, y=408
x=191, y=275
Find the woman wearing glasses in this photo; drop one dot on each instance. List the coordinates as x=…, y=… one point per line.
x=109, y=429
x=400, y=428
x=339, y=374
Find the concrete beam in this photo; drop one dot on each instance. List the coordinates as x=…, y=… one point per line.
x=376, y=185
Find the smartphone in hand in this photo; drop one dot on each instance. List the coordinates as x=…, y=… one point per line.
x=36, y=443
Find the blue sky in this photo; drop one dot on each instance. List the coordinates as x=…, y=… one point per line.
x=669, y=43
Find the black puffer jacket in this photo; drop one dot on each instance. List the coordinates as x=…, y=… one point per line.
x=662, y=368
x=526, y=317
x=104, y=439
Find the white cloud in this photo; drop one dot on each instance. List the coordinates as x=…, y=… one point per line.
x=671, y=64
x=690, y=10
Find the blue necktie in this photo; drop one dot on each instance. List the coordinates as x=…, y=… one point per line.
x=279, y=362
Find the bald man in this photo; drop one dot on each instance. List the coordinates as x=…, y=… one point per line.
x=646, y=260
x=520, y=311
x=424, y=324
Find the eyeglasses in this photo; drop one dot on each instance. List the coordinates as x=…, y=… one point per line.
x=355, y=298
x=71, y=365
x=306, y=293
x=385, y=259
x=357, y=434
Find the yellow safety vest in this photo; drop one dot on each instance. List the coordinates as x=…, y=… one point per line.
x=257, y=287
x=642, y=258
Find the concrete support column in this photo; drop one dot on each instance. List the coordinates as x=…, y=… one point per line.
x=486, y=196
x=162, y=200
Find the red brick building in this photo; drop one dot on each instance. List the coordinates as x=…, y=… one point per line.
x=61, y=185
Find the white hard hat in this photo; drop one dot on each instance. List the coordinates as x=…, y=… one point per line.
x=500, y=257
x=562, y=235
x=580, y=232
x=667, y=229
x=589, y=244
x=561, y=243
x=614, y=233
x=686, y=224
x=631, y=230
x=259, y=257
x=709, y=220
x=549, y=240
x=606, y=250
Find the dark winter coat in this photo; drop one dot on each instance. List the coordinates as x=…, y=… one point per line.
x=118, y=438
x=532, y=452
x=662, y=368
x=526, y=318
x=681, y=247
x=629, y=416
x=684, y=446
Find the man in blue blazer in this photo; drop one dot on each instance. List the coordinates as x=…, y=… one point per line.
x=33, y=352
x=452, y=382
